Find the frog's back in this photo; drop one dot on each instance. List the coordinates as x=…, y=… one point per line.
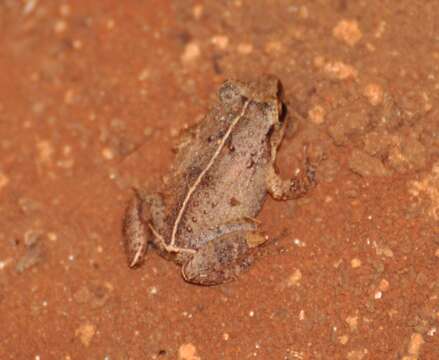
x=219, y=176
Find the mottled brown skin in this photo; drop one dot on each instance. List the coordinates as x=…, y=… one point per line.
x=203, y=218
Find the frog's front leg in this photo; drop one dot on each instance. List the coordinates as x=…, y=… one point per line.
x=142, y=209
x=293, y=188
x=223, y=258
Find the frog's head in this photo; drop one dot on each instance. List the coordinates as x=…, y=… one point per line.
x=266, y=92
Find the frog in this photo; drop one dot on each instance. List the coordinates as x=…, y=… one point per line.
x=204, y=216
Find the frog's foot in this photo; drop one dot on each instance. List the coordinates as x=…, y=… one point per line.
x=222, y=259
x=143, y=209
x=293, y=188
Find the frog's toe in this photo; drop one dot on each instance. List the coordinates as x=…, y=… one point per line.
x=220, y=260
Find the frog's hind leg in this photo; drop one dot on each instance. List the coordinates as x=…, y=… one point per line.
x=136, y=227
x=222, y=259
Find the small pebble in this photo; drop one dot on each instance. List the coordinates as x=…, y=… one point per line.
x=5, y=263
x=381, y=29
x=153, y=290
x=144, y=74
x=110, y=24
x=83, y=295
x=383, y=285
x=148, y=131
x=45, y=151
x=352, y=321
x=347, y=31
x=60, y=26
x=414, y=347
x=317, y=115
x=85, y=332
x=273, y=47
x=437, y=253
x=220, y=41
x=357, y=354
x=340, y=71
x=374, y=93
x=343, y=339
x=65, y=10
x=52, y=236
x=294, y=278
x=319, y=61
x=77, y=44
x=34, y=251
x=245, y=49
x=191, y=53
x=363, y=164
x=29, y=6
x=69, y=96
x=299, y=243
x=107, y=153
x=4, y=180
x=197, y=11
x=188, y=352
x=355, y=263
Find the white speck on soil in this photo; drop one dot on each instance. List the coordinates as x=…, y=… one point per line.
x=299, y=243
x=432, y=331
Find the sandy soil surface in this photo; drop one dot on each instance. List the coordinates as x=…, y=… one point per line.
x=93, y=95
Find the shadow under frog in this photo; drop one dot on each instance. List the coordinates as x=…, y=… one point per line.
x=203, y=218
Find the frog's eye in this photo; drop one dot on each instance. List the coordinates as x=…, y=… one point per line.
x=229, y=93
x=267, y=108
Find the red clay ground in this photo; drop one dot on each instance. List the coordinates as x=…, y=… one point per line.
x=92, y=97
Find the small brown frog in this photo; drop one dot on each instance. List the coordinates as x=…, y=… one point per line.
x=204, y=217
